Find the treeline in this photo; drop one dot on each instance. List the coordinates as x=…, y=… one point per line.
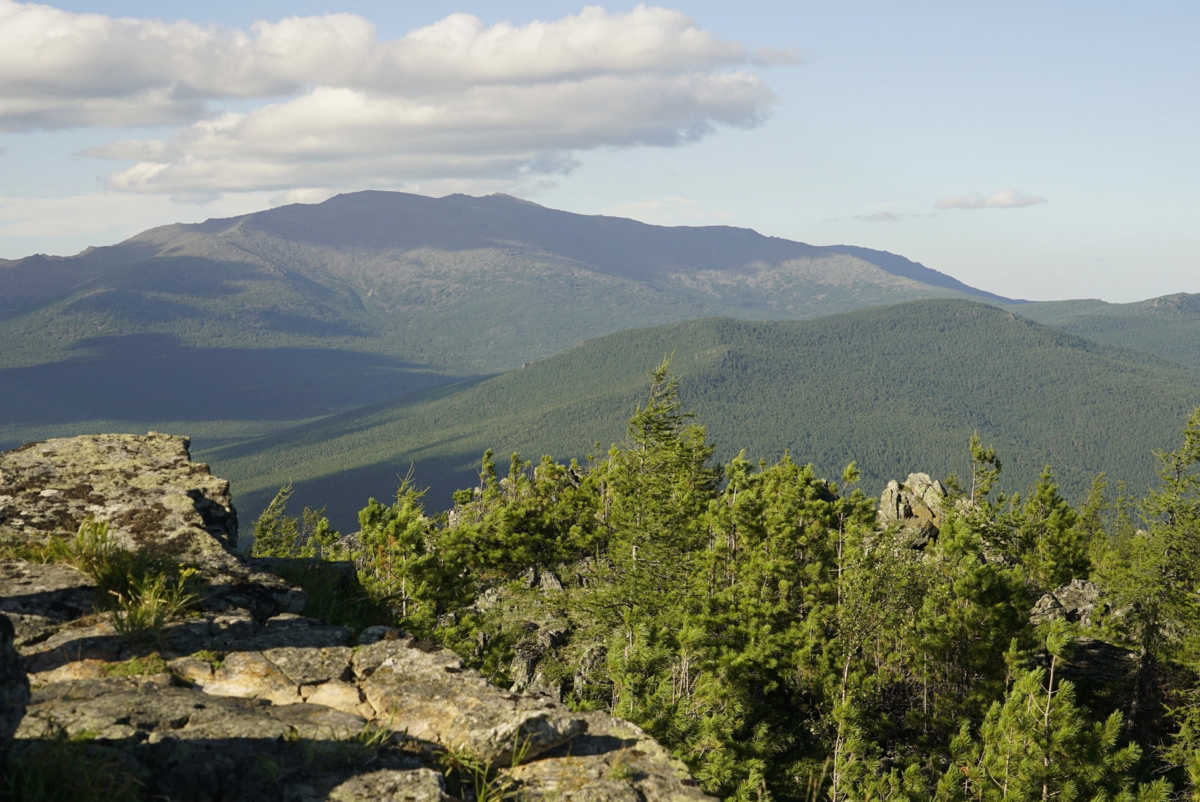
x=758, y=622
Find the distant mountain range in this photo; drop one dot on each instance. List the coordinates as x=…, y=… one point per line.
x=237, y=326
x=256, y=329
x=898, y=388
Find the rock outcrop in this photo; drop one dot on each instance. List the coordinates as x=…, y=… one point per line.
x=245, y=698
x=147, y=489
x=1079, y=602
x=915, y=505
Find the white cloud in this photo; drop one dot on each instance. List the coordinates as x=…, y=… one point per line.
x=1003, y=199
x=458, y=99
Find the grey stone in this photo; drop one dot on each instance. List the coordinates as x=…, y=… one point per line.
x=293, y=630
x=1080, y=601
x=311, y=666
x=146, y=488
x=614, y=760
x=57, y=593
x=377, y=633
x=915, y=505
x=390, y=785
x=430, y=696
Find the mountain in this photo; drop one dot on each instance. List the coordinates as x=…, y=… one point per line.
x=898, y=389
x=1168, y=326
x=240, y=326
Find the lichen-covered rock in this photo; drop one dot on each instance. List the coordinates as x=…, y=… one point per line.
x=429, y=695
x=146, y=488
x=415, y=785
x=916, y=504
x=14, y=687
x=614, y=760
x=1079, y=601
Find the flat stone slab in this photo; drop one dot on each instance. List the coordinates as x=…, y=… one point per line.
x=615, y=761
x=429, y=695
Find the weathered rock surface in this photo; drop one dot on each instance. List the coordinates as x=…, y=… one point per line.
x=246, y=699
x=145, y=487
x=432, y=697
x=1080, y=602
x=916, y=504
x=615, y=761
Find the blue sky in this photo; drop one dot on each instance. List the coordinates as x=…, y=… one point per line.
x=1035, y=150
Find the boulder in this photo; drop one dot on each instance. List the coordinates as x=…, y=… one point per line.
x=915, y=505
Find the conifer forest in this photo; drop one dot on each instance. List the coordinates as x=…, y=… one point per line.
x=786, y=640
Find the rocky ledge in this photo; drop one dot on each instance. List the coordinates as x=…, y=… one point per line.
x=244, y=698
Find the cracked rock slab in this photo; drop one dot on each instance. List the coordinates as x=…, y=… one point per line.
x=429, y=695
x=615, y=761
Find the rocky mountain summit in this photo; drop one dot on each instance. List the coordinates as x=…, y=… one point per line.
x=205, y=681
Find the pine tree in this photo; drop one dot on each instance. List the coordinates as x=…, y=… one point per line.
x=1039, y=745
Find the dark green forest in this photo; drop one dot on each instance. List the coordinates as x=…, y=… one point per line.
x=761, y=622
x=897, y=389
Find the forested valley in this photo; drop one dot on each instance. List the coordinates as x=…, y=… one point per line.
x=786, y=642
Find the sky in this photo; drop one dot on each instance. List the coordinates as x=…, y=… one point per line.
x=1036, y=150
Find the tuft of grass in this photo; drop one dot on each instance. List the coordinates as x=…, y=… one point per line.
x=150, y=601
x=620, y=769
x=152, y=663
x=58, y=768
x=209, y=656
x=467, y=774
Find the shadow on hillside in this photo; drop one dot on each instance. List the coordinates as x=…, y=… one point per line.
x=151, y=377
x=344, y=493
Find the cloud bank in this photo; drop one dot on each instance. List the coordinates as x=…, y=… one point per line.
x=1003, y=199
x=456, y=99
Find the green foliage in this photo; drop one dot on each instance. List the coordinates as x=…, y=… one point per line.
x=151, y=601
x=896, y=389
x=276, y=534
x=142, y=592
x=758, y=622
x=1038, y=744
x=152, y=663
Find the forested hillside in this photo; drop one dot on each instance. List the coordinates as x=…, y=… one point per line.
x=1168, y=326
x=898, y=389
x=789, y=642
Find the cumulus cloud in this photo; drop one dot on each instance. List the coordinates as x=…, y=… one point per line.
x=458, y=99
x=1003, y=199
